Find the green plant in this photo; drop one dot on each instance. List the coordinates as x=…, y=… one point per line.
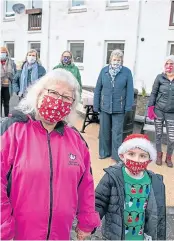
x=143, y=92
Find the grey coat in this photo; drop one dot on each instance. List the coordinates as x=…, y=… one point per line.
x=116, y=97
x=110, y=197
x=162, y=95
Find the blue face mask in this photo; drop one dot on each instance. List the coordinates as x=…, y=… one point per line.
x=66, y=60
x=3, y=56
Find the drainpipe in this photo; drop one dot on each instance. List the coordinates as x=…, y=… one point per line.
x=137, y=37
x=48, y=47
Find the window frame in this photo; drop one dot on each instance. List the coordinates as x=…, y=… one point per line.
x=77, y=7
x=120, y=4
x=112, y=42
x=170, y=44
x=171, y=19
x=28, y=5
x=10, y=42
x=79, y=64
x=5, y=11
x=29, y=46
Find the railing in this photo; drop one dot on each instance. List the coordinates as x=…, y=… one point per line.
x=34, y=21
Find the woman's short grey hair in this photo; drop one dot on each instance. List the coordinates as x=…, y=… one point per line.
x=29, y=105
x=116, y=53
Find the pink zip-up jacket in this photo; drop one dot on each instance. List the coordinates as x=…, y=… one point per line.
x=46, y=181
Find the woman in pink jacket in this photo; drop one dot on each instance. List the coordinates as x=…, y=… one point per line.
x=45, y=165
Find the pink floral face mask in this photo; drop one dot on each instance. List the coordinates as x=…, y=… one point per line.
x=53, y=109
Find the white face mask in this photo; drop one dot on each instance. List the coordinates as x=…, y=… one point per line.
x=31, y=59
x=115, y=63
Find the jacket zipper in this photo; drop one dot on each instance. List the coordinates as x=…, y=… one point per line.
x=121, y=103
x=51, y=186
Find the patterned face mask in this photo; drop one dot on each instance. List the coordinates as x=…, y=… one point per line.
x=136, y=167
x=54, y=110
x=66, y=60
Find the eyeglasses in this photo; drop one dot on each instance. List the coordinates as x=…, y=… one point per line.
x=57, y=95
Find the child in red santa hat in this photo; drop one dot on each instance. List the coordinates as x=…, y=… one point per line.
x=131, y=198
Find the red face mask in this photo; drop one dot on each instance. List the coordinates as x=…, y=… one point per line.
x=136, y=167
x=54, y=110
x=169, y=69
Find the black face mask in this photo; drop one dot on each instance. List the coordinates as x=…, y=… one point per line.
x=66, y=60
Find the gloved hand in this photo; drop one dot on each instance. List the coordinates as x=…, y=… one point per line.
x=151, y=114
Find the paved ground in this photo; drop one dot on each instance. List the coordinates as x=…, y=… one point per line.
x=91, y=136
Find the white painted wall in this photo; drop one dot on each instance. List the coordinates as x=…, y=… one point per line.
x=94, y=27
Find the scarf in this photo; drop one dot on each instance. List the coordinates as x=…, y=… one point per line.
x=24, y=82
x=7, y=70
x=114, y=71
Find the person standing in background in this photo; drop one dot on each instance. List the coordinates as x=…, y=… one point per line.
x=161, y=108
x=67, y=63
x=113, y=97
x=8, y=69
x=31, y=71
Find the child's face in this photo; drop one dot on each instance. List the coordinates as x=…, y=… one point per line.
x=136, y=155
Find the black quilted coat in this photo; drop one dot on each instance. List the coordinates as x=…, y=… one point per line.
x=110, y=205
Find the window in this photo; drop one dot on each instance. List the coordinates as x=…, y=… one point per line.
x=77, y=6
x=36, y=46
x=8, y=4
x=8, y=8
x=34, y=21
x=77, y=49
x=10, y=47
x=117, y=4
x=171, y=48
x=36, y=4
x=78, y=3
x=113, y=2
x=112, y=45
x=171, y=22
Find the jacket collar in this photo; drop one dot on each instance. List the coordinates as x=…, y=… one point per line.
x=21, y=117
x=59, y=128
x=165, y=76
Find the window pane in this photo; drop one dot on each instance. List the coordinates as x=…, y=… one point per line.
x=35, y=46
x=117, y=1
x=76, y=3
x=172, y=49
x=36, y=4
x=10, y=47
x=77, y=50
x=111, y=47
x=9, y=10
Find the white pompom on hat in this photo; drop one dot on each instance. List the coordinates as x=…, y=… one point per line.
x=138, y=141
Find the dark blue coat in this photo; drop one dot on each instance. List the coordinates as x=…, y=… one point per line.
x=117, y=97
